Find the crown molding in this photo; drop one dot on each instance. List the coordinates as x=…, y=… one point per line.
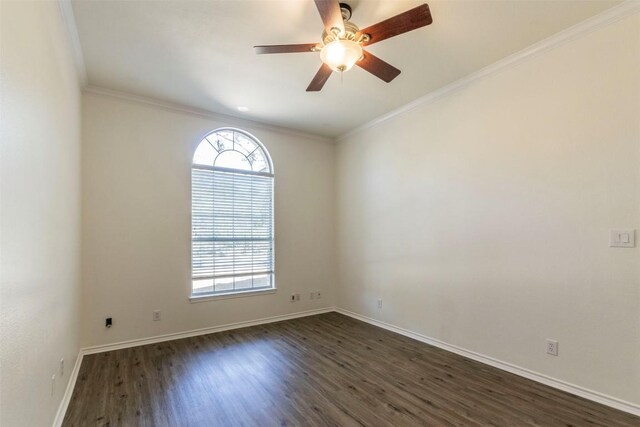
x=68, y=18
x=69, y=21
x=625, y=9
x=596, y=22
x=192, y=111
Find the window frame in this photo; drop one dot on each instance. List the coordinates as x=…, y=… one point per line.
x=233, y=293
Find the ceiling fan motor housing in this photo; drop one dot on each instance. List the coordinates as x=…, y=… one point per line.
x=350, y=30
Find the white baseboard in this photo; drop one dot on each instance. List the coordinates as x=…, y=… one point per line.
x=66, y=398
x=201, y=331
x=505, y=366
x=523, y=372
x=64, y=404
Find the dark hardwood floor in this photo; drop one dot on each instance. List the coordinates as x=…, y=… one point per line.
x=314, y=371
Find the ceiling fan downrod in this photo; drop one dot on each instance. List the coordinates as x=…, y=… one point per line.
x=346, y=11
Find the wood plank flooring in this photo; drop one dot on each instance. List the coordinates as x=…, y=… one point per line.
x=324, y=370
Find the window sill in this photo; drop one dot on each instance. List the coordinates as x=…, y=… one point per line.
x=203, y=298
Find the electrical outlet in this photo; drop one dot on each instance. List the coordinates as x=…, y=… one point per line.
x=53, y=384
x=318, y=294
x=380, y=303
x=552, y=347
x=108, y=322
x=62, y=367
x=156, y=315
x=294, y=297
x=622, y=238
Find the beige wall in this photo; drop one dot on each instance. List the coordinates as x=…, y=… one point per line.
x=136, y=222
x=482, y=219
x=40, y=212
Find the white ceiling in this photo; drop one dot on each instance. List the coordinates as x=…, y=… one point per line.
x=200, y=53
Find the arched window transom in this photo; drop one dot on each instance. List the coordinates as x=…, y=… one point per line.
x=231, y=216
x=232, y=149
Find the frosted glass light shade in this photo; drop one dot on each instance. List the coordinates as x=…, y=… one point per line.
x=341, y=55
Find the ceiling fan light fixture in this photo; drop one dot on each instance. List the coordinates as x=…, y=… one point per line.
x=341, y=55
x=342, y=41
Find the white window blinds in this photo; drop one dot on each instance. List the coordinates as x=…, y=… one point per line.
x=232, y=227
x=232, y=217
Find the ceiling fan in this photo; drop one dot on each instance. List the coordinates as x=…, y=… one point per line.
x=342, y=41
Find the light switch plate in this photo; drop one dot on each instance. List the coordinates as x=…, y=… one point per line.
x=622, y=238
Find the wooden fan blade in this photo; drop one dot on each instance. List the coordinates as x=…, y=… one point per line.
x=285, y=48
x=330, y=14
x=320, y=79
x=399, y=24
x=378, y=67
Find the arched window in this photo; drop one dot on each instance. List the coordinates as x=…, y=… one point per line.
x=231, y=215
